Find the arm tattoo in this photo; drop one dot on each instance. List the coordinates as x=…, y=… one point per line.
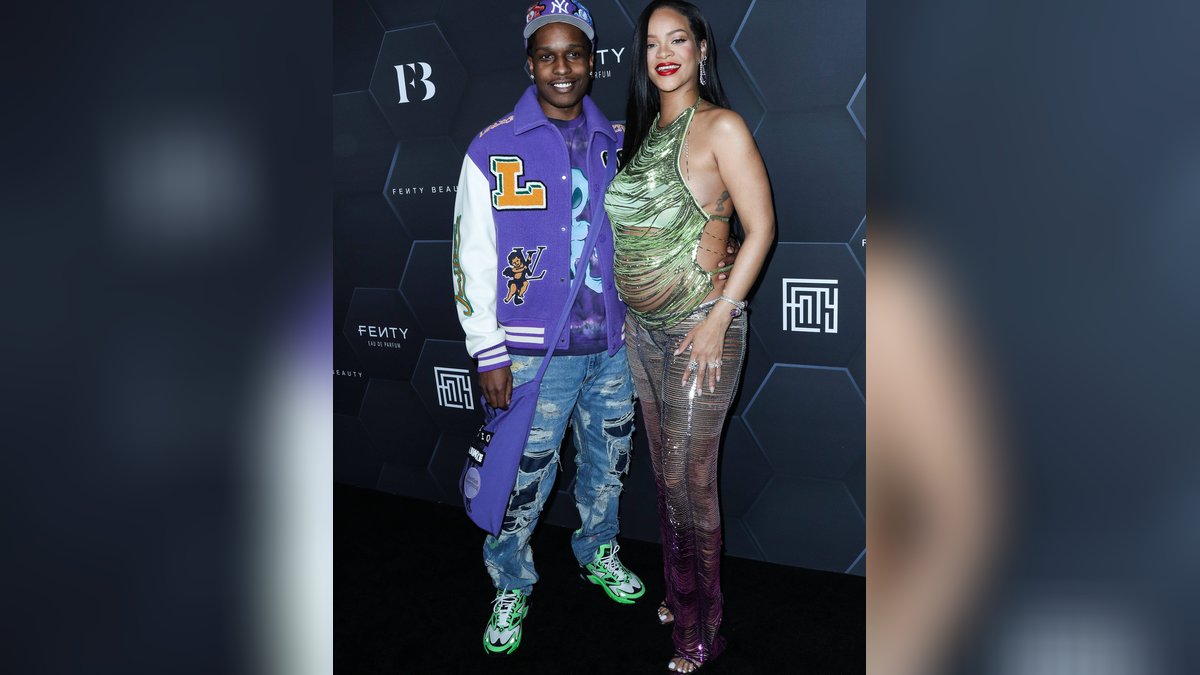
x=721, y=201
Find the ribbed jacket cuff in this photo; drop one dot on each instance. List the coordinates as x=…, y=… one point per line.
x=493, y=358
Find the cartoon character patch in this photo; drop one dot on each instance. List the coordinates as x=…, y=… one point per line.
x=520, y=272
x=535, y=11
x=582, y=13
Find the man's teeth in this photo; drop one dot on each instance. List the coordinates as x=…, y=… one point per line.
x=562, y=85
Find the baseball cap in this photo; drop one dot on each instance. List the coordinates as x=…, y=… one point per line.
x=549, y=11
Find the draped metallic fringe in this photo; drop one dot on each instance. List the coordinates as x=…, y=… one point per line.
x=656, y=230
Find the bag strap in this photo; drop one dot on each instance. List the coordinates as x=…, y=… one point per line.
x=584, y=259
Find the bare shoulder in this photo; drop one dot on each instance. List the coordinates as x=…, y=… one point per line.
x=723, y=122
x=728, y=121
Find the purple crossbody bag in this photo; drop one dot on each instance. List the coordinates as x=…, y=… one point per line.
x=495, y=453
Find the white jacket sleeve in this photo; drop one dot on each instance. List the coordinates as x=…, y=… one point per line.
x=475, y=260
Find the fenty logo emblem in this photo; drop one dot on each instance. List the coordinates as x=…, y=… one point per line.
x=424, y=71
x=509, y=193
x=520, y=272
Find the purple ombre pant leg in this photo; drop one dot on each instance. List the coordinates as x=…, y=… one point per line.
x=683, y=427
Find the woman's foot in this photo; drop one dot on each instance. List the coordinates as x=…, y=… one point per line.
x=682, y=664
x=664, y=614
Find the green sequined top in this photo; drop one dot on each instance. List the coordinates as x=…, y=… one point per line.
x=657, y=224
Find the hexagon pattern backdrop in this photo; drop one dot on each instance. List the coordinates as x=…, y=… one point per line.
x=414, y=81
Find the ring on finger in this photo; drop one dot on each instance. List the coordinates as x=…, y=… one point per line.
x=714, y=364
x=692, y=365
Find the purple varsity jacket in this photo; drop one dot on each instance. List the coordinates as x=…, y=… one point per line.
x=511, y=244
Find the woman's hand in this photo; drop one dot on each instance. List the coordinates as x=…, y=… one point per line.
x=732, y=247
x=706, y=341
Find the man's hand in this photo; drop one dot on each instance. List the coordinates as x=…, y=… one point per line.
x=731, y=250
x=497, y=387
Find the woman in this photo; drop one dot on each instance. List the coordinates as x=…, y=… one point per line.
x=689, y=163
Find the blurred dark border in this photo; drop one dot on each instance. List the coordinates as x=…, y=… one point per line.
x=1045, y=158
x=1047, y=153
x=166, y=229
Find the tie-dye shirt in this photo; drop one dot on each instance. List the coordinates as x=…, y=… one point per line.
x=588, y=329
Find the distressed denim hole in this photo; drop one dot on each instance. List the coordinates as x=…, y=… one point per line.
x=619, y=432
x=532, y=463
x=613, y=386
x=540, y=435
x=523, y=504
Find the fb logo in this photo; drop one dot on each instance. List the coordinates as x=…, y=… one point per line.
x=810, y=305
x=454, y=388
x=405, y=83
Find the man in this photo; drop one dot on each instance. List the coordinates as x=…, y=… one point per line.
x=530, y=192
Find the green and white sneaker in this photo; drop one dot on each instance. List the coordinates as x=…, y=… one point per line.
x=607, y=572
x=503, y=633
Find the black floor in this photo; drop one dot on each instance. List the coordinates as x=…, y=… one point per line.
x=411, y=596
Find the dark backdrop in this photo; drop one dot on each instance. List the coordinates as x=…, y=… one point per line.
x=414, y=81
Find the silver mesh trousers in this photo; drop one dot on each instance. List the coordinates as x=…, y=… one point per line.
x=684, y=431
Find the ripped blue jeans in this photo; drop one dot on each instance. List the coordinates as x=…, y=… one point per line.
x=594, y=393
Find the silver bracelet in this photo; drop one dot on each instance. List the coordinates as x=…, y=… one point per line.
x=735, y=303
x=738, y=307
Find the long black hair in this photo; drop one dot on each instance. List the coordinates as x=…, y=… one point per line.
x=643, y=103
